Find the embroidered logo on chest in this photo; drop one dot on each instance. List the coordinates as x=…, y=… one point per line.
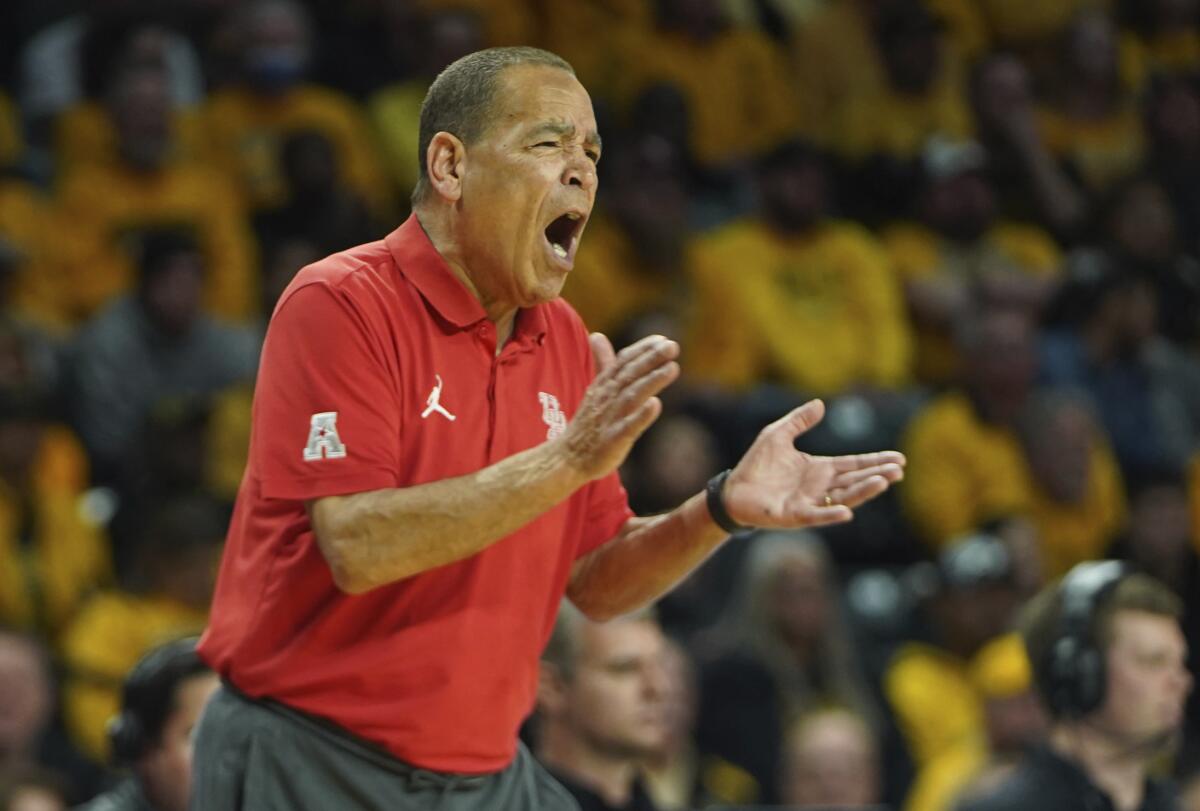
x=552, y=415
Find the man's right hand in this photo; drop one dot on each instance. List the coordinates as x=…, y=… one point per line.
x=620, y=404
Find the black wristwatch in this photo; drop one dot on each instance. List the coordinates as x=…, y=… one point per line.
x=715, y=496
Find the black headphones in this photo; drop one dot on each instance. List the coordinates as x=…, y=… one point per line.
x=148, y=696
x=1073, y=676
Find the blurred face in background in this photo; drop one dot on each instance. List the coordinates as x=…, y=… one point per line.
x=679, y=459
x=1160, y=530
x=648, y=198
x=794, y=192
x=961, y=206
x=1143, y=223
x=25, y=699
x=166, y=770
x=831, y=761
x=616, y=699
x=276, y=46
x=1147, y=678
x=1060, y=453
x=172, y=296
x=799, y=600
x=140, y=106
x=1002, y=92
x=1091, y=51
x=1000, y=357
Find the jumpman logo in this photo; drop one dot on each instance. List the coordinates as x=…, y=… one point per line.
x=432, y=404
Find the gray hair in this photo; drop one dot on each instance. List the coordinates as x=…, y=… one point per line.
x=462, y=98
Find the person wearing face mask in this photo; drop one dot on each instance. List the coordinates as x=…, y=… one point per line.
x=433, y=467
x=248, y=120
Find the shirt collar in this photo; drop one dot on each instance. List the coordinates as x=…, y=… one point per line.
x=428, y=271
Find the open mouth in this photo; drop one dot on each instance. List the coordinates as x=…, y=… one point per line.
x=562, y=234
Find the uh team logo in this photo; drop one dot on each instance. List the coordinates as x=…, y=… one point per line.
x=552, y=415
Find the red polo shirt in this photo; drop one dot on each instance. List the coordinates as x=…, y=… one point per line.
x=379, y=370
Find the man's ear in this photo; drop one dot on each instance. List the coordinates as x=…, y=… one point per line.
x=445, y=161
x=552, y=689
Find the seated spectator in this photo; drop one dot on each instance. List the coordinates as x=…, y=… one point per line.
x=634, y=257
x=921, y=94
x=53, y=552
x=965, y=465
x=928, y=685
x=33, y=746
x=161, y=701
x=1143, y=237
x=783, y=651
x=795, y=297
x=831, y=759
x=168, y=598
x=569, y=30
x=85, y=132
x=317, y=207
x=1076, y=498
x=247, y=121
x=1031, y=184
x=735, y=80
x=602, y=708
x=105, y=203
x=441, y=37
x=958, y=250
x=153, y=344
x=1146, y=391
x=1091, y=119
x=60, y=60
x=1108, y=659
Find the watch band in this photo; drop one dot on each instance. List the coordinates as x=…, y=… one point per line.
x=715, y=497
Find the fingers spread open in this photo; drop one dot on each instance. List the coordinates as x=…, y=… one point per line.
x=890, y=471
x=862, y=461
x=602, y=351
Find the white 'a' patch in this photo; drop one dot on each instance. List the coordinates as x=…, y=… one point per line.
x=323, y=439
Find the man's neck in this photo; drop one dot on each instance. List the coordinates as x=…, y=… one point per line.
x=1114, y=765
x=441, y=233
x=609, y=776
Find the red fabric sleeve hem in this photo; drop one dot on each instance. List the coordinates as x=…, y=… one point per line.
x=310, y=488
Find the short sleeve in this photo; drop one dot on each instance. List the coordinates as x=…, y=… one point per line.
x=326, y=415
x=607, y=511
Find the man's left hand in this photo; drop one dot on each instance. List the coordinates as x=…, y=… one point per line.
x=774, y=485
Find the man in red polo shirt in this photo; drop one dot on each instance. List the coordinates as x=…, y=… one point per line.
x=433, y=465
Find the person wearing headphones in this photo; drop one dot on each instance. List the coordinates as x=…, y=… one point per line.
x=160, y=703
x=1108, y=656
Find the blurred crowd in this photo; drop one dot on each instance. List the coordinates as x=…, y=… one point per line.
x=971, y=226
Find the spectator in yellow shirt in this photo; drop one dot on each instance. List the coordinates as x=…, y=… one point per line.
x=965, y=465
x=735, y=80
x=53, y=551
x=794, y=296
x=1167, y=34
x=958, y=250
x=938, y=706
x=921, y=95
x=1077, y=496
x=30, y=264
x=1091, y=118
x=101, y=205
x=247, y=121
x=168, y=599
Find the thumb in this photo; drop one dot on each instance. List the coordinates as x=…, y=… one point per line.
x=801, y=419
x=602, y=351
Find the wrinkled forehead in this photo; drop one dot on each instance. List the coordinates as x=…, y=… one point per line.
x=531, y=96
